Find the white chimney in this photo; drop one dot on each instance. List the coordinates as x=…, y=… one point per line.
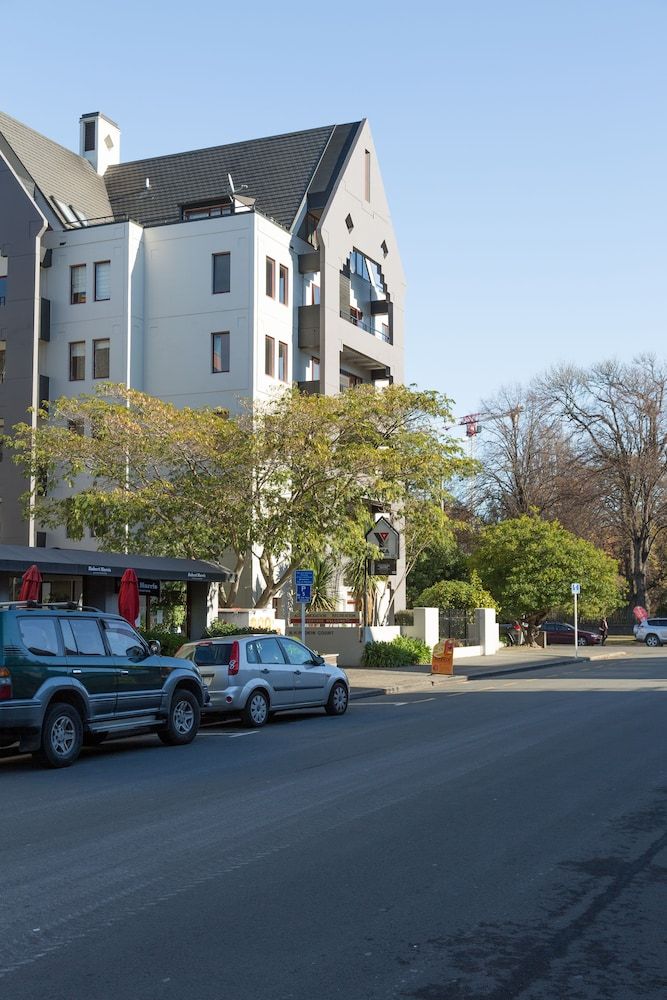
x=99, y=141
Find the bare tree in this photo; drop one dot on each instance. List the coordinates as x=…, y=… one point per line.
x=617, y=415
x=529, y=463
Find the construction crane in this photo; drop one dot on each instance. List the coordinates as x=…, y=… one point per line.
x=473, y=423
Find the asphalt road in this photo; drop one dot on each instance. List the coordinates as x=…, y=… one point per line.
x=505, y=840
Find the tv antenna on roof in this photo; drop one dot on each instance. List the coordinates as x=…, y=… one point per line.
x=233, y=189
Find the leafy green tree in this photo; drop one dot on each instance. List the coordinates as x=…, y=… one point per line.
x=283, y=480
x=457, y=594
x=529, y=564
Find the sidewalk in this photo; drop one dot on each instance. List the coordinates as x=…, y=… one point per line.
x=366, y=683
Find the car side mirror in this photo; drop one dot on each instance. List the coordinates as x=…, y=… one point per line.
x=318, y=660
x=136, y=654
x=155, y=647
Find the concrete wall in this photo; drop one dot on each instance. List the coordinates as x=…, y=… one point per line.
x=21, y=226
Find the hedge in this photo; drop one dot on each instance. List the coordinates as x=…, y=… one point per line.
x=403, y=651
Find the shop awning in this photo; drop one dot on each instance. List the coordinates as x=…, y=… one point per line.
x=79, y=562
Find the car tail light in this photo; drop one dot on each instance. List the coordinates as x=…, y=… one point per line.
x=234, y=659
x=5, y=684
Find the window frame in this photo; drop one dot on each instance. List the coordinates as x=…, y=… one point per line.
x=283, y=284
x=222, y=370
x=72, y=376
x=283, y=357
x=272, y=341
x=270, y=271
x=96, y=264
x=101, y=340
x=79, y=301
x=214, y=257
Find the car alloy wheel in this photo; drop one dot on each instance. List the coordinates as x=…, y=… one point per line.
x=184, y=717
x=338, y=699
x=62, y=736
x=256, y=711
x=652, y=640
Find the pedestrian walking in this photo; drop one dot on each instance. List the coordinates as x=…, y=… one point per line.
x=603, y=628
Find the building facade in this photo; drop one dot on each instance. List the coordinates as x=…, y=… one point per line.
x=203, y=277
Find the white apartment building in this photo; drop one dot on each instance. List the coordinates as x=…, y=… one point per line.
x=201, y=277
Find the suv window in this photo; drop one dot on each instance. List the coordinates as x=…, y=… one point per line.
x=40, y=636
x=121, y=638
x=82, y=637
x=295, y=652
x=264, y=651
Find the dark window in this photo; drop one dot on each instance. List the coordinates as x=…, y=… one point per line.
x=265, y=651
x=3, y=289
x=283, y=352
x=101, y=359
x=102, y=280
x=40, y=636
x=207, y=212
x=77, y=284
x=295, y=652
x=367, y=175
x=315, y=369
x=221, y=273
x=76, y=426
x=220, y=352
x=283, y=290
x=3, y=359
x=271, y=277
x=84, y=637
x=269, y=356
x=77, y=361
x=89, y=137
x=121, y=638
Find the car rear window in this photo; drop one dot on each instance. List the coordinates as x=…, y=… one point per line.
x=213, y=653
x=39, y=635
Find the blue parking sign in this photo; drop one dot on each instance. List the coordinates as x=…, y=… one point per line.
x=303, y=593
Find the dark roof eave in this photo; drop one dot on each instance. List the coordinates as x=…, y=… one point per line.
x=81, y=562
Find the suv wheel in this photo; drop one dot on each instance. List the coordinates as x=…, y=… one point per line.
x=652, y=640
x=338, y=699
x=183, y=719
x=256, y=711
x=62, y=736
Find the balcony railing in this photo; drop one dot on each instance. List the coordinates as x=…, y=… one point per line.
x=366, y=326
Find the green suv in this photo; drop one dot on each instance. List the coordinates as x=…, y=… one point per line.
x=71, y=677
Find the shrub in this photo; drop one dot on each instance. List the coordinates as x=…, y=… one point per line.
x=457, y=594
x=218, y=628
x=169, y=641
x=402, y=651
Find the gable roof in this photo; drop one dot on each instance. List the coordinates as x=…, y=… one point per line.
x=275, y=171
x=56, y=171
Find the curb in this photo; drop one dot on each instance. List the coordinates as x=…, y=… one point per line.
x=366, y=693
x=566, y=660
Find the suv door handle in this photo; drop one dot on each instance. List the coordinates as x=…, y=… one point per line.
x=76, y=671
x=124, y=671
x=264, y=671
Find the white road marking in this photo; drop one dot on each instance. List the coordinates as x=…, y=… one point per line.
x=230, y=736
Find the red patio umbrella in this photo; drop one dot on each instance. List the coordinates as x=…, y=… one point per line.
x=128, y=596
x=31, y=584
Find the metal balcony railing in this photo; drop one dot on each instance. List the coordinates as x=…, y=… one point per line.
x=365, y=326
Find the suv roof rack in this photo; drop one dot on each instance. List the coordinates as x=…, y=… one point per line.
x=37, y=605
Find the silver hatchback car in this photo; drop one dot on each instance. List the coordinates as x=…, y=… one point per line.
x=258, y=675
x=652, y=631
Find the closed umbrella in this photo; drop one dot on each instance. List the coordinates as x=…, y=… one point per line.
x=128, y=596
x=31, y=584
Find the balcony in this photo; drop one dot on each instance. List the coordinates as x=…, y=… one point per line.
x=365, y=325
x=309, y=328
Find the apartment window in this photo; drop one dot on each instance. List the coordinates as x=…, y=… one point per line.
x=3, y=289
x=348, y=380
x=3, y=358
x=283, y=292
x=102, y=280
x=77, y=361
x=89, y=137
x=207, y=212
x=77, y=284
x=315, y=369
x=356, y=315
x=269, y=356
x=270, y=277
x=100, y=359
x=385, y=332
x=220, y=352
x=314, y=295
x=221, y=273
x=282, y=361
x=367, y=175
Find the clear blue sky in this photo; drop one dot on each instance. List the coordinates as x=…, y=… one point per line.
x=522, y=144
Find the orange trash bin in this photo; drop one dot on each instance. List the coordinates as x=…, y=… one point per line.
x=442, y=660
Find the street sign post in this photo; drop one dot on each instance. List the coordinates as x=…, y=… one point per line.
x=576, y=590
x=303, y=585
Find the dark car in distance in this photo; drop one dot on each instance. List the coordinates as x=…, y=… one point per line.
x=561, y=632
